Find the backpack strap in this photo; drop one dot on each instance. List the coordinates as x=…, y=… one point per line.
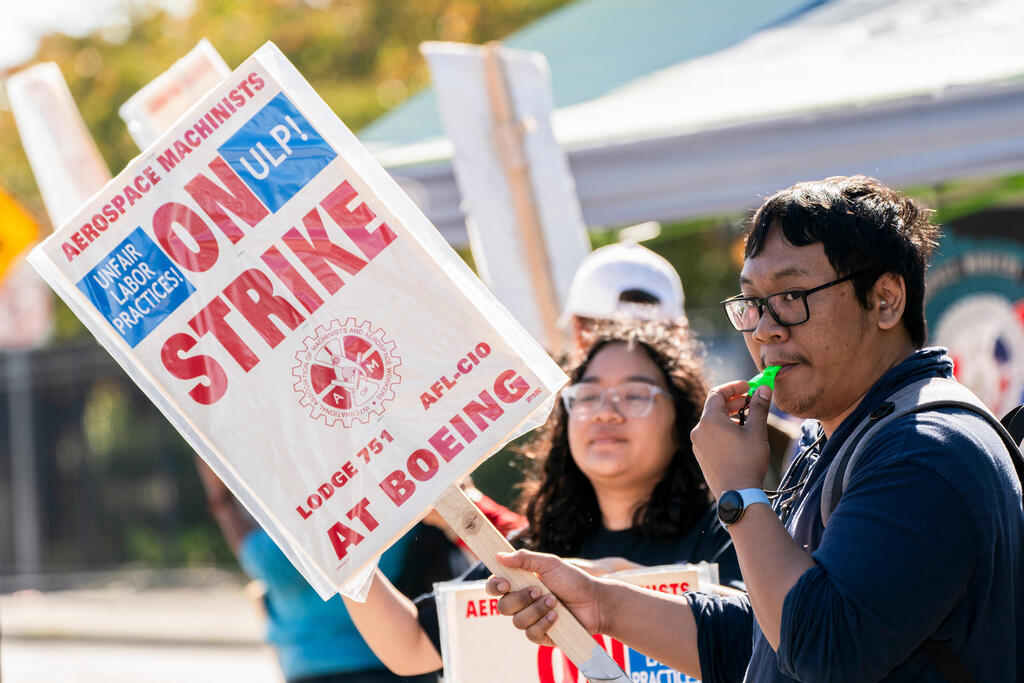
x=934, y=393
x=928, y=394
x=1014, y=423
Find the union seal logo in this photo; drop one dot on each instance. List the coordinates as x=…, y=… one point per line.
x=346, y=372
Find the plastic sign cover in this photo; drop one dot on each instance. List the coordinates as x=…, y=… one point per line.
x=297, y=318
x=479, y=644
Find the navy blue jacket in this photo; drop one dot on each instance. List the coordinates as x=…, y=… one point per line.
x=927, y=541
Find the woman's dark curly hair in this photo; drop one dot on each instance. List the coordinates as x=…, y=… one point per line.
x=560, y=503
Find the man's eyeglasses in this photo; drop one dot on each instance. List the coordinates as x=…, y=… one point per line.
x=632, y=399
x=788, y=308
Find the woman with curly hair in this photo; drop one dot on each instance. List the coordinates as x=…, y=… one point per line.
x=613, y=481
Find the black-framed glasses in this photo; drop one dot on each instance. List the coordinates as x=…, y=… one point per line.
x=788, y=308
x=632, y=399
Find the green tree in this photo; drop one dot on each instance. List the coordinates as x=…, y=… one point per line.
x=362, y=56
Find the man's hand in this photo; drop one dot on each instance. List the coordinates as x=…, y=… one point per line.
x=531, y=610
x=733, y=456
x=604, y=565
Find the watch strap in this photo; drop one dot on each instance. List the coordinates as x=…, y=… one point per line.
x=747, y=498
x=751, y=496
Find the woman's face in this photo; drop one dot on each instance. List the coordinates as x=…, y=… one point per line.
x=615, y=451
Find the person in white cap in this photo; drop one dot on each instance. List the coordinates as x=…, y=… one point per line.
x=623, y=280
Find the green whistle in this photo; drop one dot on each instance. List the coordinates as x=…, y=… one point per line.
x=765, y=378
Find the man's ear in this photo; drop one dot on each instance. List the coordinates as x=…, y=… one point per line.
x=888, y=299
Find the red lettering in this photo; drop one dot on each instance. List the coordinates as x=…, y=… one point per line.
x=69, y=250
x=131, y=195
x=398, y=487
x=291, y=278
x=193, y=367
x=341, y=538
x=79, y=240
x=422, y=465
x=320, y=255
x=173, y=213
x=470, y=609
x=211, y=320
x=462, y=428
x=361, y=510
x=338, y=479
x=303, y=512
x=252, y=293
x=445, y=444
x=235, y=197
x=151, y=174
x=325, y=490
x=349, y=469
x=168, y=160
x=478, y=411
x=256, y=81
x=546, y=656
x=354, y=221
x=89, y=230
x=510, y=387
x=314, y=501
x=181, y=149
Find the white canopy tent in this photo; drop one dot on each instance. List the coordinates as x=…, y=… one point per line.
x=910, y=91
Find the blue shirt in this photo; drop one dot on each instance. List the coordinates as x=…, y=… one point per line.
x=312, y=636
x=927, y=541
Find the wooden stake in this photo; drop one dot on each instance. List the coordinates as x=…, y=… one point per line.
x=509, y=137
x=465, y=518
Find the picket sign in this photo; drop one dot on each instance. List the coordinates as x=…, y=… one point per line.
x=485, y=541
x=523, y=217
x=65, y=162
x=479, y=644
x=295, y=316
x=152, y=110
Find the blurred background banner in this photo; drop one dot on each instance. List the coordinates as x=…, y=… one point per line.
x=975, y=305
x=152, y=110
x=65, y=161
x=524, y=222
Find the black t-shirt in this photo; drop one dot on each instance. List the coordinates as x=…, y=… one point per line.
x=707, y=541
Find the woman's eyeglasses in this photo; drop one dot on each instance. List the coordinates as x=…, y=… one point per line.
x=632, y=399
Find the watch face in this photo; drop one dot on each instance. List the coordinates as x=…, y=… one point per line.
x=730, y=507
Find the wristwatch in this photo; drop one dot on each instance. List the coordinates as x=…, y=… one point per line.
x=732, y=504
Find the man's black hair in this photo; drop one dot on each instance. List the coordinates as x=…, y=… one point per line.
x=863, y=226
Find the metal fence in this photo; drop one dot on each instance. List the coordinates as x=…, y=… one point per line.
x=92, y=476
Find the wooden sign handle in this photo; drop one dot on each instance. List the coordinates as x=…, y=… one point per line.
x=509, y=138
x=465, y=518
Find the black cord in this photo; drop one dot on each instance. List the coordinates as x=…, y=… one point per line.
x=794, y=490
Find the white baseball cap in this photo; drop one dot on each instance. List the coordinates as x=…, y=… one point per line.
x=604, y=274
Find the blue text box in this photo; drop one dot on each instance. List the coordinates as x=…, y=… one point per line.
x=135, y=287
x=277, y=152
x=643, y=669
